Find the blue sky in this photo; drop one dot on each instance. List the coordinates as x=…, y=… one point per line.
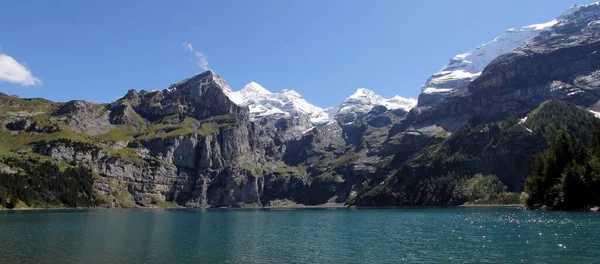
x=97, y=50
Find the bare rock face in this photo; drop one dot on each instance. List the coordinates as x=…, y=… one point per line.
x=132, y=96
x=561, y=63
x=192, y=144
x=82, y=116
x=202, y=96
x=122, y=113
x=21, y=124
x=70, y=152
x=181, y=151
x=31, y=126
x=72, y=107
x=204, y=168
x=144, y=183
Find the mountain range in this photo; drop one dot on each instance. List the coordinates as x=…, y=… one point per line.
x=198, y=143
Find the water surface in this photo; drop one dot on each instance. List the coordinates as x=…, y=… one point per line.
x=431, y=235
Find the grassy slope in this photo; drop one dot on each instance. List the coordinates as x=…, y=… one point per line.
x=20, y=144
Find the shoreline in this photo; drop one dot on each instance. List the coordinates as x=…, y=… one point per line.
x=179, y=208
x=282, y=207
x=490, y=205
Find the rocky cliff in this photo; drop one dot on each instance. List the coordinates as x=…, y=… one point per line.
x=198, y=143
x=561, y=63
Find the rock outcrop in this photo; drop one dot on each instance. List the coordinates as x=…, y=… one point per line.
x=200, y=144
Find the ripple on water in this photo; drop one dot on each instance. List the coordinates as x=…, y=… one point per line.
x=442, y=235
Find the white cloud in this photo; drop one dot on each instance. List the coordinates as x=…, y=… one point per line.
x=14, y=72
x=201, y=60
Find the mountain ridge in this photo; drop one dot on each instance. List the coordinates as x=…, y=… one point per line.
x=263, y=102
x=198, y=143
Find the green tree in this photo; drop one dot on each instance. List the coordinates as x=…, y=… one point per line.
x=566, y=176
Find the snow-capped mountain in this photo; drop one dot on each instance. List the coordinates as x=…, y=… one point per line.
x=263, y=102
x=464, y=68
x=399, y=102
x=579, y=13
x=363, y=100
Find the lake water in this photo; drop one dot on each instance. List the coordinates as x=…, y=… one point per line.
x=433, y=235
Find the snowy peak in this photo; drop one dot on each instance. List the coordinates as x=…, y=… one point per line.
x=368, y=97
x=292, y=93
x=475, y=60
x=538, y=27
x=363, y=93
x=254, y=88
x=464, y=68
x=263, y=102
x=364, y=96
x=579, y=11
x=399, y=102
x=363, y=101
x=250, y=93
x=201, y=79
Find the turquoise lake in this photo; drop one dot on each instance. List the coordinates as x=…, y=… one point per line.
x=344, y=235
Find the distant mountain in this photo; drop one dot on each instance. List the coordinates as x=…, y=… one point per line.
x=497, y=123
x=263, y=103
x=199, y=143
x=364, y=100
x=464, y=68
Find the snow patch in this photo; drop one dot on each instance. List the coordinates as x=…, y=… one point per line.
x=432, y=90
x=522, y=120
x=234, y=97
x=308, y=130
x=253, y=88
x=364, y=100
x=466, y=67
x=399, y=102
x=597, y=114
x=446, y=76
x=263, y=102
x=542, y=26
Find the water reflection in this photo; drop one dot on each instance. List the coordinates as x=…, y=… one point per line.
x=298, y=236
